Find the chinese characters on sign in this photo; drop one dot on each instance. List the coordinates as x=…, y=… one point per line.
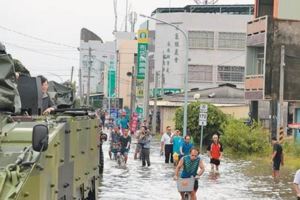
x=142, y=64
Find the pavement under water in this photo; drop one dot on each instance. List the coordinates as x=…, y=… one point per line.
x=238, y=179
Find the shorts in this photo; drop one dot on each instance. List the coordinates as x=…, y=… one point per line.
x=276, y=164
x=215, y=161
x=125, y=152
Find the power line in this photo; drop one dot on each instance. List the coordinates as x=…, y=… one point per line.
x=35, y=51
x=36, y=38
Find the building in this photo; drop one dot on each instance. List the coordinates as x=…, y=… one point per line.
x=272, y=42
x=226, y=97
x=126, y=61
x=217, y=45
x=101, y=59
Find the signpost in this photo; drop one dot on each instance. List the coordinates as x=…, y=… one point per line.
x=202, y=121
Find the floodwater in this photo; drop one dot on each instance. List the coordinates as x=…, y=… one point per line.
x=237, y=180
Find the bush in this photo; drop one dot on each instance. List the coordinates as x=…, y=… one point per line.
x=243, y=139
x=214, y=121
x=292, y=148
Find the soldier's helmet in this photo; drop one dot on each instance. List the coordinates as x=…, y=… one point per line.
x=2, y=49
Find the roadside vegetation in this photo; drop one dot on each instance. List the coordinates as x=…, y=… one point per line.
x=214, y=121
x=239, y=139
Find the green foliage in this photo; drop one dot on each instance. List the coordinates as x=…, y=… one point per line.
x=214, y=121
x=243, y=139
x=292, y=148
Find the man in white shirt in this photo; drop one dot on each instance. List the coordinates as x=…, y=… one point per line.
x=297, y=184
x=166, y=145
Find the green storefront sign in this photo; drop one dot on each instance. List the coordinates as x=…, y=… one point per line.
x=142, y=60
x=111, y=79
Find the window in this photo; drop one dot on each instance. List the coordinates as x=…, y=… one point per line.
x=260, y=62
x=231, y=73
x=232, y=40
x=201, y=39
x=200, y=73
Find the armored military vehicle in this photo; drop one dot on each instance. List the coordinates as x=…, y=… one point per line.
x=54, y=157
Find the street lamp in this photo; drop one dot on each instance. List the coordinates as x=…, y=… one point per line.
x=186, y=69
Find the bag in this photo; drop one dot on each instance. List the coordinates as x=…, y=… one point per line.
x=186, y=184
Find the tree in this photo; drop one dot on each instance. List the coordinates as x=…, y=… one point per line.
x=214, y=121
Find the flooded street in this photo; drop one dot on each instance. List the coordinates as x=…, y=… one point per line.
x=237, y=180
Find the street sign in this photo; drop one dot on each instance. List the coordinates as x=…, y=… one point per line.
x=202, y=116
x=203, y=108
x=202, y=123
x=202, y=119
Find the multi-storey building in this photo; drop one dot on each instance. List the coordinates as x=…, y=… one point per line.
x=273, y=48
x=217, y=45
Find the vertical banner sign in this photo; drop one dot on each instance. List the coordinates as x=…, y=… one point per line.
x=111, y=77
x=142, y=64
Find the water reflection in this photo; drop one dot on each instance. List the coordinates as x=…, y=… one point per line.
x=237, y=180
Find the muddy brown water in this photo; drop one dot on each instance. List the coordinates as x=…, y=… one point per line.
x=238, y=179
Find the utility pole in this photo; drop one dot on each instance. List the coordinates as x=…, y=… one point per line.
x=146, y=90
x=132, y=19
x=126, y=17
x=154, y=115
x=281, y=93
x=80, y=86
x=186, y=69
x=89, y=77
x=72, y=71
x=116, y=15
x=133, y=89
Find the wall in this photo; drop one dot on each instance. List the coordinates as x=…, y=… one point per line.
x=194, y=22
x=168, y=114
x=287, y=9
x=126, y=51
x=238, y=112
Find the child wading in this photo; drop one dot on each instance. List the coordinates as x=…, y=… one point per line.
x=215, y=153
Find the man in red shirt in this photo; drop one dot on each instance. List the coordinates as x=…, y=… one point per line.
x=214, y=151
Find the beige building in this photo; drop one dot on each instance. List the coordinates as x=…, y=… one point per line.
x=126, y=52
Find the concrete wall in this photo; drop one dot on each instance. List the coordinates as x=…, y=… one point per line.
x=197, y=22
x=287, y=9
x=238, y=112
x=168, y=114
x=126, y=51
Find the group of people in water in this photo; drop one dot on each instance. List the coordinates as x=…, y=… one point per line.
x=176, y=149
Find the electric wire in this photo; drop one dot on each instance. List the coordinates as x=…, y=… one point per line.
x=36, y=38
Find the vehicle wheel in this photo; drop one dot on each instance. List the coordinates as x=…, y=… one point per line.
x=101, y=160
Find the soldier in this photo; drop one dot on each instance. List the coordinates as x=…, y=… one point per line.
x=47, y=104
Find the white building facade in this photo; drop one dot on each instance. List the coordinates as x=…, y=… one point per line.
x=217, y=45
x=100, y=59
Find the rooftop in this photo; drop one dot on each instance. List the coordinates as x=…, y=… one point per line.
x=223, y=94
x=236, y=9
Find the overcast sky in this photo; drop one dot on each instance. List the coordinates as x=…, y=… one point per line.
x=60, y=21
